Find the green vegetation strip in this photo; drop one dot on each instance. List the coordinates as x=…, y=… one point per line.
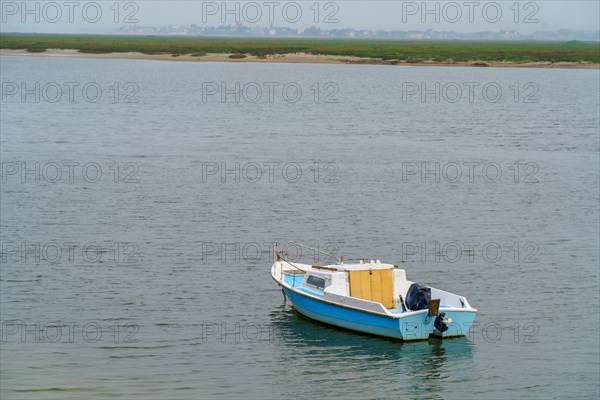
x=573, y=51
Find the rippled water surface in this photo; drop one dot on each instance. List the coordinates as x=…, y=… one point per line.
x=157, y=264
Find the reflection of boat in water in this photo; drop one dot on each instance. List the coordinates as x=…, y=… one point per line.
x=374, y=298
x=422, y=369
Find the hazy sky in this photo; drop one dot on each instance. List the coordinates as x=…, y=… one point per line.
x=106, y=16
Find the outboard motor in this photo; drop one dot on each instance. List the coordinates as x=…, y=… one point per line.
x=441, y=322
x=418, y=297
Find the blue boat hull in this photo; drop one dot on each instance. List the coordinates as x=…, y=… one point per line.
x=409, y=327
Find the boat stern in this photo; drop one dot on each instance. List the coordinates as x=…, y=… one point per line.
x=448, y=323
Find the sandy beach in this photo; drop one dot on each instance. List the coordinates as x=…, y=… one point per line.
x=301, y=58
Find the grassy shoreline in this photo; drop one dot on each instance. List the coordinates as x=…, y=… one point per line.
x=379, y=51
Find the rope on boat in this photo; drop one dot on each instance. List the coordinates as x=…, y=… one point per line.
x=279, y=253
x=300, y=256
x=314, y=249
x=290, y=263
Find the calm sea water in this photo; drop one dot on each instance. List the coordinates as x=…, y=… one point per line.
x=143, y=228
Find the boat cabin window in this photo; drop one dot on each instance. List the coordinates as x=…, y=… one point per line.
x=315, y=281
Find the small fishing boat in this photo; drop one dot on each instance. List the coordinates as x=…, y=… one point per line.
x=371, y=297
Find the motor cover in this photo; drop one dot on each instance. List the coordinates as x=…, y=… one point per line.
x=418, y=297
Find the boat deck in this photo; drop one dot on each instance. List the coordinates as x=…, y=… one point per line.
x=295, y=281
